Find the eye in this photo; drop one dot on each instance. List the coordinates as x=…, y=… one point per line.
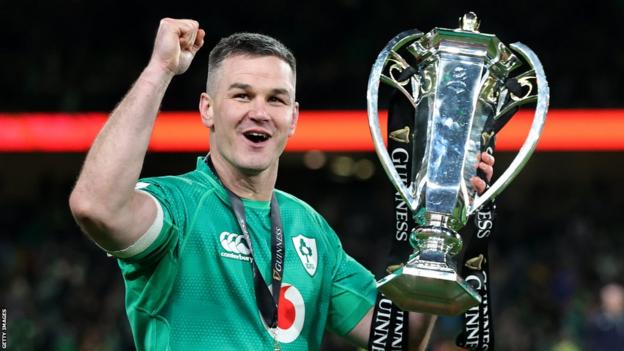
x=277, y=100
x=242, y=96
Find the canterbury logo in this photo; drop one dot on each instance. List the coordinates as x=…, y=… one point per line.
x=234, y=243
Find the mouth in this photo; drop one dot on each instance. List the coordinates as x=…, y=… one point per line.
x=257, y=137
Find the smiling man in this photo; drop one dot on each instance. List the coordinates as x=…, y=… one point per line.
x=217, y=259
x=250, y=110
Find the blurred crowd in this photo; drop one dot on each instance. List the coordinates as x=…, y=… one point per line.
x=555, y=264
x=49, y=66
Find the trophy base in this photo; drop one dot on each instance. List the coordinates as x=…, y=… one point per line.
x=420, y=288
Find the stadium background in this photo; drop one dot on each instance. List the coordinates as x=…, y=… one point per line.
x=558, y=238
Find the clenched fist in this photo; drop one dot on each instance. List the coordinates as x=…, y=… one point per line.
x=177, y=42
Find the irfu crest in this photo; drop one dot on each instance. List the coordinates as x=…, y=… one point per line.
x=306, y=249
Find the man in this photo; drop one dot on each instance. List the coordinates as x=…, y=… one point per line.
x=197, y=251
x=605, y=330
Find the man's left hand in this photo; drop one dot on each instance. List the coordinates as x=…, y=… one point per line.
x=485, y=162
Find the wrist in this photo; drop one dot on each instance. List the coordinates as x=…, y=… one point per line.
x=157, y=74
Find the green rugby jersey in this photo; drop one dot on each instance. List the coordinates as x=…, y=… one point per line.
x=192, y=288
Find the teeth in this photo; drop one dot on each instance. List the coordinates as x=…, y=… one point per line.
x=256, y=137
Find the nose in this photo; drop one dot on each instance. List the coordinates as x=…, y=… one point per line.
x=259, y=111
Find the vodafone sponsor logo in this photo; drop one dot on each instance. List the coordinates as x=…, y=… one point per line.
x=236, y=246
x=290, y=315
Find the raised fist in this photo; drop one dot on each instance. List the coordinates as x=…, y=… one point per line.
x=177, y=42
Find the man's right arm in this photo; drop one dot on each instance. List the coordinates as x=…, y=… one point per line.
x=104, y=202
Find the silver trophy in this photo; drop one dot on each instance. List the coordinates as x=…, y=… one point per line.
x=457, y=82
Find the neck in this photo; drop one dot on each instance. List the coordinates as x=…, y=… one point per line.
x=246, y=185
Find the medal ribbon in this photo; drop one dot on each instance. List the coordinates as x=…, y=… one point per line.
x=390, y=325
x=267, y=299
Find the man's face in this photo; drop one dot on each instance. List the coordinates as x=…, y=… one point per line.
x=251, y=111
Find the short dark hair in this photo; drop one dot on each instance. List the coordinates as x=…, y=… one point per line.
x=250, y=44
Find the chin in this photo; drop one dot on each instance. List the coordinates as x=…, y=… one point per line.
x=254, y=165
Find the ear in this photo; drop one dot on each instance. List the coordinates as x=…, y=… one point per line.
x=295, y=118
x=206, y=109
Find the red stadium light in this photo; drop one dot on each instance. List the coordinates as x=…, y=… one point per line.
x=565, y=130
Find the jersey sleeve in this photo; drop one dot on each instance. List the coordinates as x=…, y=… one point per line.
x=163, y=235
x=353, y=291
x=150, y=272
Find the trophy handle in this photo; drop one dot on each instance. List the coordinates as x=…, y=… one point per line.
x=543, y=96
x=372, y=97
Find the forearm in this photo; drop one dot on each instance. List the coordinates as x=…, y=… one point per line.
x=115, y=159
x=420, y=329
x=113, y=164
x=421, y=326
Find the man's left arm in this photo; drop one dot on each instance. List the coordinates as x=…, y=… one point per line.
x=421, y=325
